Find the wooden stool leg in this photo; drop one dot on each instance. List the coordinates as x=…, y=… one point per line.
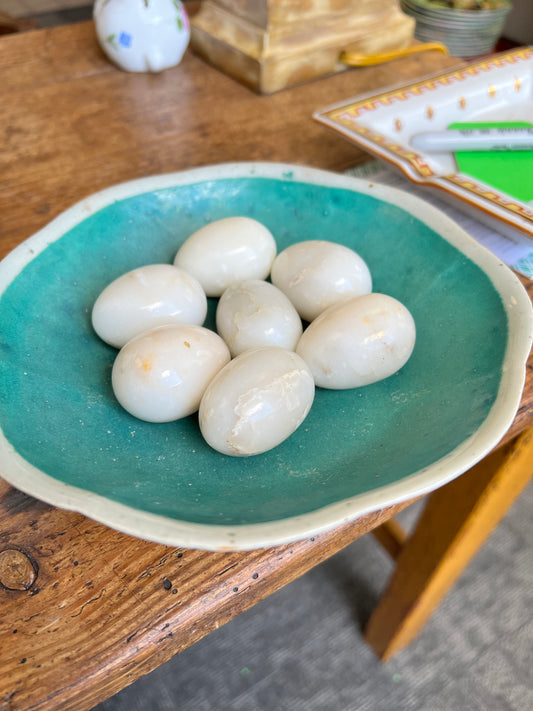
x=457, y=519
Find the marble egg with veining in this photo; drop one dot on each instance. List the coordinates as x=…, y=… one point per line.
x=358, y=342
x=316, y=274
x=256, y=402
x=254, y=313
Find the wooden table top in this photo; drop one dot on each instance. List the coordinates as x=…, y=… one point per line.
x=85, y=609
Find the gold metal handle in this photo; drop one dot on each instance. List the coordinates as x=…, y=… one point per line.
x=354, y=59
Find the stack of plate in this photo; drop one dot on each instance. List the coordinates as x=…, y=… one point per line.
x=466, y=33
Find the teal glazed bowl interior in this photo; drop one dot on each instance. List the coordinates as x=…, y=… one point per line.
x=67, y=441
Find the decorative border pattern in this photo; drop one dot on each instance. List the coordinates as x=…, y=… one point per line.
x=413, y=158
x=352, y=111
x=491, y=195
x=347, y=115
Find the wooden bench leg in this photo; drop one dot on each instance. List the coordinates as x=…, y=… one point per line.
x=457, y=519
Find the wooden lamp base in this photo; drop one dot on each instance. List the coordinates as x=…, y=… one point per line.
x=272, y=44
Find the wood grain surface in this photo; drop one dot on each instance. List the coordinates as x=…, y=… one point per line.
x=456, y=521
x=72, y=124
x=85, y=609
x=105, y=608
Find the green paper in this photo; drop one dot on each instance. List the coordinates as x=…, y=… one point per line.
x=510, y=172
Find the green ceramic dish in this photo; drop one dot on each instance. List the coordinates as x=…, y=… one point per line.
x=66, y=441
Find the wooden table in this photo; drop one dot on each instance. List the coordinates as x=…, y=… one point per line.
x=86, y=610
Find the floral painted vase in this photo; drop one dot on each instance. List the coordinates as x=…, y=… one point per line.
x=142, y=35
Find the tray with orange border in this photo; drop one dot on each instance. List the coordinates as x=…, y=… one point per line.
x=495, y=89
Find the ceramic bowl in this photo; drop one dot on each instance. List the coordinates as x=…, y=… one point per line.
x=142, y=36
x=66, y=440
x=466, y=33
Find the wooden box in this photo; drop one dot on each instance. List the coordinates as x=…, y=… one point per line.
x=271, y=44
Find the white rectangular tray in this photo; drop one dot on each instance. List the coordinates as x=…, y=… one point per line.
x=497, y=88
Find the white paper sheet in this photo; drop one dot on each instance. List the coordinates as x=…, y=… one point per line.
x=517, y=252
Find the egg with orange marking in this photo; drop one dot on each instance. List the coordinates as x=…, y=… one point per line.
x=161, y=375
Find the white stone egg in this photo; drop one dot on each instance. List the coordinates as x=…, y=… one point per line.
x=161, y=375
x=254, y=313
x=256, y=401
x=315, y=274
x=226, y=251
x=145, y=298
x=358, y=342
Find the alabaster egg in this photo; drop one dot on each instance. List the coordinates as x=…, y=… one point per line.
x=161, y=375
x=256, y=401
x=315, y=274
x=147, y=297
x=360, y=341
x=255, y=313
x=226, y=251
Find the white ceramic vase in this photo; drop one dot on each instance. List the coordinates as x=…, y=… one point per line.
x=142, y=35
